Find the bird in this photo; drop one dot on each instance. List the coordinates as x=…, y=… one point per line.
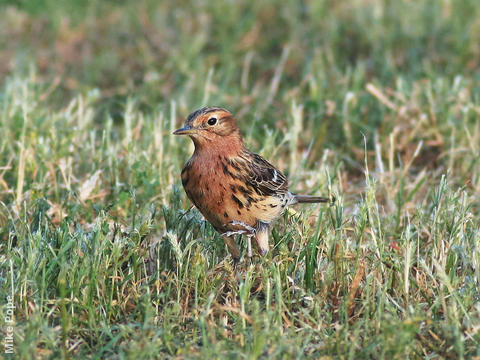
x=236, y=190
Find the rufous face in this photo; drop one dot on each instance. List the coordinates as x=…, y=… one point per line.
x=208, y=124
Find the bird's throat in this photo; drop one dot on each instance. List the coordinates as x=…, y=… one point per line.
x=224, y=146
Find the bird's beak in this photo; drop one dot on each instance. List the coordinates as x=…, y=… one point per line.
x=186, y=130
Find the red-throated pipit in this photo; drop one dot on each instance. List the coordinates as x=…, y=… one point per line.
x=237, y=191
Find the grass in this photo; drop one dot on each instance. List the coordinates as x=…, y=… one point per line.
x=375, y=101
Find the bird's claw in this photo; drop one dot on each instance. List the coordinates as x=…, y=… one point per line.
x=235, y=232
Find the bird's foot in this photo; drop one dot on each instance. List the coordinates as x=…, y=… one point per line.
x=247, y=230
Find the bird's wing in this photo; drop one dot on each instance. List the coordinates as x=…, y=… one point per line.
x=263, y=176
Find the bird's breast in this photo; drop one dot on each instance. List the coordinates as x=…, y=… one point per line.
x=219, y=190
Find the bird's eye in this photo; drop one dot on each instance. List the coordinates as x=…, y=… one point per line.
x=212, y=121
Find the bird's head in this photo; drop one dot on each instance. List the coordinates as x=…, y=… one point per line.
x=211, y=126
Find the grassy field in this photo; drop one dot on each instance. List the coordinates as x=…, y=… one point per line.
x=374, y=101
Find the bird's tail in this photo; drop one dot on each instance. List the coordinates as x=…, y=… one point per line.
x=313, y=199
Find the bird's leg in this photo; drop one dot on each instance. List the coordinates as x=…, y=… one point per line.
x=232, y=248
x=249, y=246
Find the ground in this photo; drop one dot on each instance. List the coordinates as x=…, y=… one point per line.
x=376, y=102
